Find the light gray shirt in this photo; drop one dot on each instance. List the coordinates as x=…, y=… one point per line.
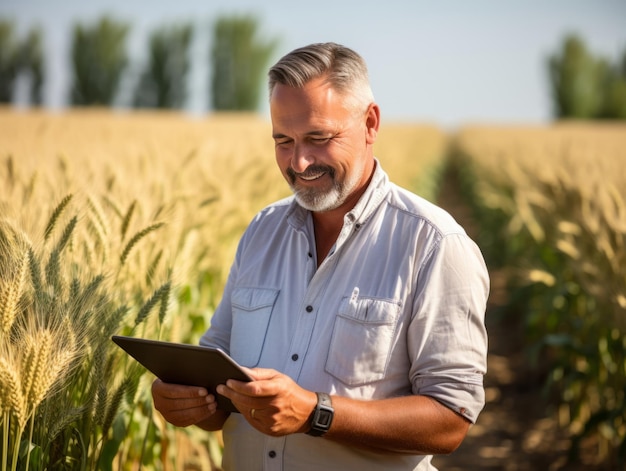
x=396, y=308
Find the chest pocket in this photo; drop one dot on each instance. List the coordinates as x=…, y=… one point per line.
x=252, y=309
x=363, y=335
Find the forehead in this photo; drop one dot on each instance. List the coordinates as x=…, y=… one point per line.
x=315, y=104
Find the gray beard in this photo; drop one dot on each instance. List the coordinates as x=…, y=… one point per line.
x=317, y=200
x=314, y=199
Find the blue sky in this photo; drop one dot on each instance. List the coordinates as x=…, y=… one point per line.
x=449, y=62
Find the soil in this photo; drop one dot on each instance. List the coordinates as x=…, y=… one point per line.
x=516, y=430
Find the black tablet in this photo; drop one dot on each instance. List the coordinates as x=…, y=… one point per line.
x=191, y=365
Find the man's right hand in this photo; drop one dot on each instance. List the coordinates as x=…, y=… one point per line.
x=187, y=405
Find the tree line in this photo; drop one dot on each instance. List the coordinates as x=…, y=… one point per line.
x=100, y=60
x=583, y=85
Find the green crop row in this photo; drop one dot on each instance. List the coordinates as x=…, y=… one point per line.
x=551, y=207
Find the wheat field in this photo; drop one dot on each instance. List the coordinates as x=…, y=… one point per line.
x=120, y=222
x=553, y=206
x=114, y=222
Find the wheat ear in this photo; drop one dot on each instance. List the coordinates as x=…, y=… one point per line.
x=153, y=266
x=29, y=189
x=36, y=350
x=160, y=295
x=56, y=214
x=113, y=405
x=10, y=294
x=67, y=234
x=136, y=238
x=10, y=172
x=11, y=398
x=53, y=371
x=99, y=215
x=127, y=217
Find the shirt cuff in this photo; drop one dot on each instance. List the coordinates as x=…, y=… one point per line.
x=465, y=398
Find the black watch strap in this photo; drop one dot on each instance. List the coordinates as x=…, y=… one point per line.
x=322, y=416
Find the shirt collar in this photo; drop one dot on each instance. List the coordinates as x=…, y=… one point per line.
x=371, y=198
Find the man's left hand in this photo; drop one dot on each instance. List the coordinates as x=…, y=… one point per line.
x=272, y=402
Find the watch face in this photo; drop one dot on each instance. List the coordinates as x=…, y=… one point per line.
x=324, y=419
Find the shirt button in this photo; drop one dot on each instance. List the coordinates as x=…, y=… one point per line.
x=272, y=454
x=310, y=255
x=295, y=357
x=309, y=308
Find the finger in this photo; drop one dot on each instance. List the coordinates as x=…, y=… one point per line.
x=170, y=398
x=243, y=402
x=190, y=416
x=260, y=374
x=172, y=401
x=267, y=382
x=177, y=391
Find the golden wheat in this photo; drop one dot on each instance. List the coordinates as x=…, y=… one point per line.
x=565, y=186
x=11, y=397
x=11, y=288
x=150, y=201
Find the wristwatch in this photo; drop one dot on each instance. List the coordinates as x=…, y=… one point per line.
x=322, y=415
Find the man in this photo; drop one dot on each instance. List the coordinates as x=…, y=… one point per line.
x=357, y=305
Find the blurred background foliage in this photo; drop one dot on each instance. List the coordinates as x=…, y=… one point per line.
x=239, y=60
x=586, y=86
x=20, y=58
x=583, y=85
x=100, y=64
x=98, y=59
x=162, y=82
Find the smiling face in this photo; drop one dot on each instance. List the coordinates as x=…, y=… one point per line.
x=323, y=146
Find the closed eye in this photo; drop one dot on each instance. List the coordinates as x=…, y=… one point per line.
x=282, y=142
x=320, y=140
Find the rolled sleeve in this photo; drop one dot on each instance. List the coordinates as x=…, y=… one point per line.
x=447, y=335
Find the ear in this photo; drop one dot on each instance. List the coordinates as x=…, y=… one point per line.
x=372, y=123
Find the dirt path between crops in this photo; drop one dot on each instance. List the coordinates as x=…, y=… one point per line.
x=514, y=432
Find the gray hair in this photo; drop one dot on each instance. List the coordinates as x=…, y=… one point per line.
x=346, y=71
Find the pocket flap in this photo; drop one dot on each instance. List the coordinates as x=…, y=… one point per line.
x=250, y=299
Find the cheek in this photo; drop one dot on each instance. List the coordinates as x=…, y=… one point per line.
x=283, y=160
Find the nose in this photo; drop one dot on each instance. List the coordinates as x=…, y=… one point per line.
x=301, y=158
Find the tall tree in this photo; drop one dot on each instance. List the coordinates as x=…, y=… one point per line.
x=18, y=58
x=614, y=106
x=33, y=62
x=99, y=58
x=239, y=58
x=163, y=83
x=9, y=60
x=576, y=79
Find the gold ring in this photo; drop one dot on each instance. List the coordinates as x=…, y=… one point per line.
x=252, y=411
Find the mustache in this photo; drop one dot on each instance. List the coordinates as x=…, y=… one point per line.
x=310, y=171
